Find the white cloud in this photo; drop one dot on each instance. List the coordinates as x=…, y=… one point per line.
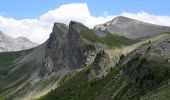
x=38, y=30
x=143, y=16
x=77, y=12
x=33, y=29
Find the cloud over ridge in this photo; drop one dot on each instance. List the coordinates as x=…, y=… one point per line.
x=38, y=29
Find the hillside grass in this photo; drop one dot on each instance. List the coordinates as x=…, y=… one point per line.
x=6, y=59
x=9, y=86
x=117, y=41
x=160, y=93
x=110, y=40
x=8, y=92
x=114, y=86
x=79, y=87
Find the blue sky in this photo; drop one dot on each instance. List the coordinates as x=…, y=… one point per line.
x=20, y=9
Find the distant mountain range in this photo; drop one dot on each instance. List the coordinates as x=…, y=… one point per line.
x=78, y=63
x=131, y=28
x=8, y=43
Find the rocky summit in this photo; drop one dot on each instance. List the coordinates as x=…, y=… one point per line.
x=131, y=28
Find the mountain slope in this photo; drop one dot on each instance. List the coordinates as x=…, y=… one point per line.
x=69, y=49
x=8, y=43
x=131, y=28
x=79, y=63
x=108, y=39
x=139, y=75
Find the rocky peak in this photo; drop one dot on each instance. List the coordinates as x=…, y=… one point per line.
x=8, y=43
x=63, y=34
x=22, y=39
x=77, y=26
x=64, y=51
x=58, y=34
x=3, y=35
x=121, y=19
x=76, y=46
x=60, y=27
x=131, y=28
x=72, y=23
x=73, y=35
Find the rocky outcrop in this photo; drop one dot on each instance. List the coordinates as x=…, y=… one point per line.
x=101, y=61
x=65, y=49
x=76, y=48
x=55, y=50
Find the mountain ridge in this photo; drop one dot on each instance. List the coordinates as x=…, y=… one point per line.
x=8, y=43
x=131, y=28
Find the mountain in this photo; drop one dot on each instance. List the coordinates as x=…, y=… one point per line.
x=142, y=74
x=8, y=43
x=82, y=64
x=131, y=28
x=69, y=49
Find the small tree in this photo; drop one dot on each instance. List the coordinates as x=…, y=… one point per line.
x=122, y=56
x=149, y=41
x=148, y=49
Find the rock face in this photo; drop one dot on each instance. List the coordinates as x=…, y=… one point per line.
x=66, y=49
x=8, y=43
x=76, y=48
x=131, y=28
x=55, y=50
x=100, y=62
x=140, y=72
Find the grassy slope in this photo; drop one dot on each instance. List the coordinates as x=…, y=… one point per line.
x=160, y=93
x=112, y=87
x=6, y=59
x=117, y=41
x=110, y=40
x=80, y=88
